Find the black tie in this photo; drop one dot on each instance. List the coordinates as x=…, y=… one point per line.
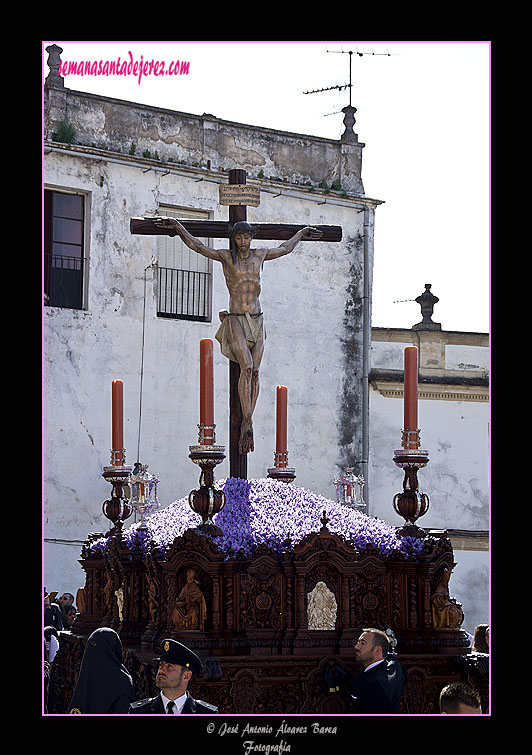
x=170, y=706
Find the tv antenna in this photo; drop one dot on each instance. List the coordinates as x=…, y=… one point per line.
x=350, y=85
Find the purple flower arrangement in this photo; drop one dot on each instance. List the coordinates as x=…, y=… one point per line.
x=265, y=511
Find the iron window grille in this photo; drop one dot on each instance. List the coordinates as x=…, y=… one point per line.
x=64, y=264
x=184, y=277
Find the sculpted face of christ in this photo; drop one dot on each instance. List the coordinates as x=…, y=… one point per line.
x=241, y=333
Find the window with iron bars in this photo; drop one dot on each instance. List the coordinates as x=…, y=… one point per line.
x=64, y=256
x=184, y=276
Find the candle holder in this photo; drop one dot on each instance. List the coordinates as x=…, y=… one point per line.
x=207, y=500
x=117, y=508
x=118, y=457
x=206, y=434
x=281, y=471
x=143, y=487
x=411, y=504
x=410, y=439
x=349, y=490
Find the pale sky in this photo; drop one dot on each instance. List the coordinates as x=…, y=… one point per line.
x=423, y=112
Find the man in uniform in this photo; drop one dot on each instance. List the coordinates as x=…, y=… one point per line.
x=176, y=665
x=241, y=334
x=379, y=688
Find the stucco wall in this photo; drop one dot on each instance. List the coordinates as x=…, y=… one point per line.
x=206, y=141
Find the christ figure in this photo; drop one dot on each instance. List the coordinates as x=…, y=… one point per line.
x=241, y=333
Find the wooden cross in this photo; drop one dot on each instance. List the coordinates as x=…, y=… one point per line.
x=222, y=230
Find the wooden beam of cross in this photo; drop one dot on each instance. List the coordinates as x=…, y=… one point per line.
x=222, y=230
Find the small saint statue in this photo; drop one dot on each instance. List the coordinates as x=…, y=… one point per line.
x=190, y=609
x=447, y=612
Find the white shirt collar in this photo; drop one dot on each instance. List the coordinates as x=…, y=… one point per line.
x=371, y=665
x=179, y=703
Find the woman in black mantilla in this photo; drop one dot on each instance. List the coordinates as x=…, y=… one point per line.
x=104, y=684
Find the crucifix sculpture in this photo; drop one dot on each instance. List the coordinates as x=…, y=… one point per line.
x=241, y=333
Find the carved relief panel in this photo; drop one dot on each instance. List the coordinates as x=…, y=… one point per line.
x=260, y=598
x=321, y=608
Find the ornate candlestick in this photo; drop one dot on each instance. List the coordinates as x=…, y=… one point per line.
x=281, y=470
x=117, y=508
x=411, y=504
x=207, y=500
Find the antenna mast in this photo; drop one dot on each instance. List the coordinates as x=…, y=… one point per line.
x=350, y=85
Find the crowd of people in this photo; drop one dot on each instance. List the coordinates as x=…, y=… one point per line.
x=59, y=612
x=59, y=615
x=104, y=685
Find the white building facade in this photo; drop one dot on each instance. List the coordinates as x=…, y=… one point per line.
x=453, y=411
x=134, y=308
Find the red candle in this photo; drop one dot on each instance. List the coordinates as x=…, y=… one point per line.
x=282, y=396
x=118, y=423
x=410, y=441
x=207, y=391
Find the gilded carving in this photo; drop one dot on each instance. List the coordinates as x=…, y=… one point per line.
x=446, y=611
x=260, y=604
x=120, y=602
x=190, y=608
x=153, y=595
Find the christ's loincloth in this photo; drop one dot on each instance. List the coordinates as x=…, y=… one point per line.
x=251, y=326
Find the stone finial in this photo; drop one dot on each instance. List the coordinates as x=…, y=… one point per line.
x=349, y=121
x=54, y=60
x=426, y=301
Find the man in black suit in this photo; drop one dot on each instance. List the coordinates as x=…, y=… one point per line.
x=176, y=665
x=379, y=688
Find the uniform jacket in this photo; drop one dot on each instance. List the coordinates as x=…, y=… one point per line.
x=155, y=705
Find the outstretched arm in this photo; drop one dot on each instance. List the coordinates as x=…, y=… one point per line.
x=191, y=241
x=288, y=246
